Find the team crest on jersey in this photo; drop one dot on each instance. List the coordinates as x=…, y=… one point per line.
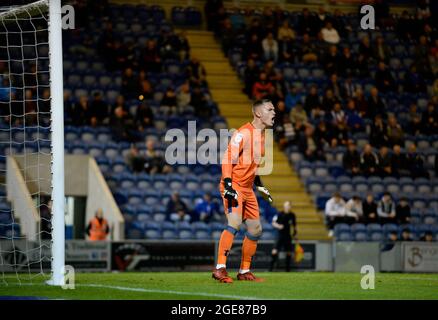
x=237, y=139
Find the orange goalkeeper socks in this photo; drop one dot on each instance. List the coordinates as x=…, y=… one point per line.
x=249, y=248
x=225, y=243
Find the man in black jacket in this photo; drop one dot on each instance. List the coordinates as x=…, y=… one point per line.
x=351, y=159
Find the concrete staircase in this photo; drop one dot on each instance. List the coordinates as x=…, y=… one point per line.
x=226, y=90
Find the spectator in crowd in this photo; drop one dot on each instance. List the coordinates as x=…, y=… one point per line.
x=414, y=81
x=135, y=160
x=365, y=49
x=196, y=73
x=206, y=209
x=98, y=228
x=375, y=104
x=81, y=112
x=348, y=62
x=307, y=23
x=354, y=209
x=415, y=163
x=394, y=131
x=168, y=102
x=293, y=97
x=428, y=236
x=254, y=49
x=329, y=100
x=369, y=161
x=334, y=211
x=298, y=114
x=312, y=99
x=429, y=119
x=311, y=149
x=384, y=160
x=354, y=120
x=151, y=60
x=122, y=125
x=98, y=109
x=398, y=162
x=330, y=34
x=393, y=237
x=130, y=86
x=386, y=209
x=285, y=32
x=369, y=207
x=382, y=52
x=199, y=102
x=183, y=96
x=144, y=116
x=383, y=78
x=308, y=51
x=154, y=160
x=182, y=46
x=351, y=159
x=251, y=75
x=332, y=61
x=406, y=235
x=403, y=211
x=270, y=48
x=261, y=87
x=146, y=91
x=177, y=209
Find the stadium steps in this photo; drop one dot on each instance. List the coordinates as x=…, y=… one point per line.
x=226, y=90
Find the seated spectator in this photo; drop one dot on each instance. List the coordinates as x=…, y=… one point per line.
x=251, y=76
x=122, y=125
x=381, y=52
x=261, y=87
x=81, y=112
x=395, y=132
x=332, y=60
x=370, y=209
x=334, y=211
x=182, y=46
x=335, y=86
x=354, y=209
x=307, y=145
x=339, y=134
x=270, y=48
x=308, y=51
x=293, y=97
x=206, y=210
x=393, y=236
x=183, y=97
x=354, y=120
x=375, y=104
x=199, y=102
x=330, y=34
x=135, y=160
x=298, y=113
x=406, y=235
x=196, y=73
x=337, y=115
x=177, y=209
x=348, y=63
x=286, y=50
x=351, y=159
x=429, y=120
x=151, y=60
x=414, y=82
x=285, y=31
x=329, y=100
x=154, y=160
x=415, y=163
x=146, y=90
x=428, y=236
x=398, y=162
x=144, y=116
x=403, y=211
x=168, y=102
x=386, y=209
x=365, y=49
x=378, y=132
x=98, y=110
x=369, y=161
x=360, y=102
x=384, y=157
x=254, y=49
x=130, y=86
x=383, y=78
x=312, y=99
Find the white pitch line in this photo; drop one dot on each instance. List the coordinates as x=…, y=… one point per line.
x=183, y=293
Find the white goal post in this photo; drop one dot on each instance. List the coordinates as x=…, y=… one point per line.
x=57, y=123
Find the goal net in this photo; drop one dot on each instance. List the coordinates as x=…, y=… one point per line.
x=31, y=144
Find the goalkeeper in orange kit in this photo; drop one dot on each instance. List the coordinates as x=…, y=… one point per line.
x=239, y=175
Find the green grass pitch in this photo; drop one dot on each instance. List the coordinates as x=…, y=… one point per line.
x=199, y=285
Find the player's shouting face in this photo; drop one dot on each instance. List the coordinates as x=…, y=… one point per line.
x=265, y=112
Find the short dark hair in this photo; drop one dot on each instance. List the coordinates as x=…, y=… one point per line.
x=260, y=102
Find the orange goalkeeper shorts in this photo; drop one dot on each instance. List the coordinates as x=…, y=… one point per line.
x=246, y=204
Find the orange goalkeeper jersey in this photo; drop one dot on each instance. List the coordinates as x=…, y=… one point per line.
x=243, y=156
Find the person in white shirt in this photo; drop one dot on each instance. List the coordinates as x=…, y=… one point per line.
x=270, y=48
x=386, y=209
x=334, y=211
x=330, y=34
x=353, y=209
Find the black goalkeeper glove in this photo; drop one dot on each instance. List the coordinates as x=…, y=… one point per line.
x=263, y=191
x=229, y=192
